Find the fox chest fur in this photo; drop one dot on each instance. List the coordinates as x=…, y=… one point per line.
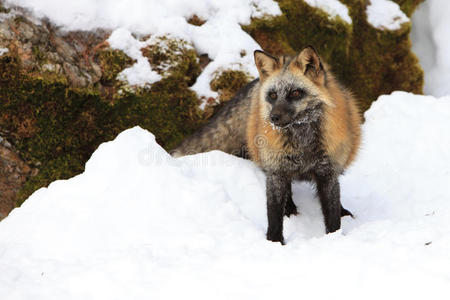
x=300, y=121
x=296, y=149
x=316, y=139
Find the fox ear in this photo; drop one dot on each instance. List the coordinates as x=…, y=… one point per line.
x=265, y=63
x=308, y=61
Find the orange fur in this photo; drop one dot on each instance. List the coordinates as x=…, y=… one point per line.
x=341, y=126
x=263, y=141
x=341, y=133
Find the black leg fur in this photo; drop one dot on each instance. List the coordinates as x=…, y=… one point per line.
x=329, y=195
x=278, y=191
x=290, y=208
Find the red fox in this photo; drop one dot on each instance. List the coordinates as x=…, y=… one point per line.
x=296, y=122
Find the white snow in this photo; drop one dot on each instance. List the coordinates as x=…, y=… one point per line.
x=139, y=224
x=139, y=73
x=221, y=37
x=8, y=15
x=430, y=40
x=385, y=14
x=3, y=51
x=333, y=7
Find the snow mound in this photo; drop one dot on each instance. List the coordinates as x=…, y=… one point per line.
x=220, y=37
x=385, y=14
x=431, y=43
x=139, y=224
x=333, y=7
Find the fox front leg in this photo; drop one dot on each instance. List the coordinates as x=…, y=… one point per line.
x=278, y=192
x=329, y=194
x=290, y=208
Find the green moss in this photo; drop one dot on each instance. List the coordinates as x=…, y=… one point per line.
x=112, y=63
x=19, y=19
x=173, y=58
x=369, y=61
x=228, y=82
x=39, y=55
x=3, y=9
x=59, y=168
x=301, y=25
x=56, y=127
x=381, y=61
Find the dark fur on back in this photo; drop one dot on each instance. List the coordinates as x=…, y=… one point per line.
x=225, y=131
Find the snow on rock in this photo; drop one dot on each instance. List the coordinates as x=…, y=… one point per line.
x=228, y=46
x=139, y=224
x=3, y=51
x=385, y=14
x=141, y=72
x=220, y=37
x=430, y=40
x=333, y=7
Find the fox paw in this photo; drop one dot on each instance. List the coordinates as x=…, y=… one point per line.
x=290, y=209
x=345, y=212
x=275, y=238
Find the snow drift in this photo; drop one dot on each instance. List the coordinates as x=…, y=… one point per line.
x=138, y=224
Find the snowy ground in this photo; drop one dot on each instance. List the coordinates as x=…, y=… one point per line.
x=138, y=224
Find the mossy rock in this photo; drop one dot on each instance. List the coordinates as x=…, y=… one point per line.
x=369, y=61
x=3, y=9
x=57, y=127
x=173, y=57
x=228, y=82
x=112, y=62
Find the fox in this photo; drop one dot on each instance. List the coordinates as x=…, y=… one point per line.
x=296, y=122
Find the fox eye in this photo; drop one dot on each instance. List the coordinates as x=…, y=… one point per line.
x=273, y=95
x=296, y=94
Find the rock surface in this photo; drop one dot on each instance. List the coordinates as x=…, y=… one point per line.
x=41, y=47
x=14, y=172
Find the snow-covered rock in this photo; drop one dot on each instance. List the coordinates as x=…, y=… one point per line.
x=141, y=72
x=333, y=7
x=139, y=224
x=385, y=14
x=220, y=37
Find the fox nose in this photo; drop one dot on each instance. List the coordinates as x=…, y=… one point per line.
x=275, y=118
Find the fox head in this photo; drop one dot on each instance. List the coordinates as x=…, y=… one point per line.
x=292, y=88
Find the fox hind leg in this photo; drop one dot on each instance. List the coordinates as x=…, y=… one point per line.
x=290, y=208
